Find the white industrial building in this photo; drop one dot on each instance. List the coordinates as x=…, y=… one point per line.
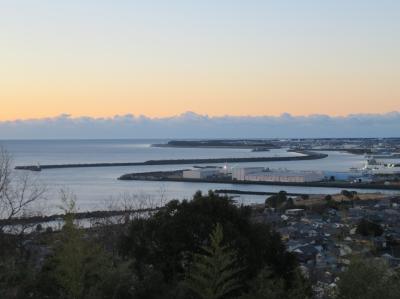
x=259, y=174
x=201, y=173
x=240, y=173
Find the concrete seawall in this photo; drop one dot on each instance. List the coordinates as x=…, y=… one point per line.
x=307, y=156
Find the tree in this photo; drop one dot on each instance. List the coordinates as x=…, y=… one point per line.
x=18, y=192
x=369, y=228
x=348, y=194
x=168, y=239
x=277, y=200
x=215, y=273
x=78, y=267
x=267, y=286
x=289, y=204
x=371, y=279
x=16, y=277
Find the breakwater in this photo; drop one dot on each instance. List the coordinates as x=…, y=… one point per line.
x=306, y=156
x=245, y=192
x=29, y=220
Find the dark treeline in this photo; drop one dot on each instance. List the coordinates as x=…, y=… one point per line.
x=205, y=248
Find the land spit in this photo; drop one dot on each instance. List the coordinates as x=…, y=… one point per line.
x=177, y=176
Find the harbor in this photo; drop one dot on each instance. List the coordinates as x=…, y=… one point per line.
x=98, y=185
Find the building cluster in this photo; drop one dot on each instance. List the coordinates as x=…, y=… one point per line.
x=260, y=174
x=255, y=174
x=325, y=241
x=370, y=145
x=202, y=173
x=368, y=174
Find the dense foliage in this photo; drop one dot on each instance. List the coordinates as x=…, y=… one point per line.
x=279, y=201
x=369, y=228
x=215, y=274
x=168, y=240
x=368, y=280
x=165, y=255
x=205, y=248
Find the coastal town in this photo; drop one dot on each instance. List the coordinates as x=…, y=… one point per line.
x=327, y=232
x=200, y=149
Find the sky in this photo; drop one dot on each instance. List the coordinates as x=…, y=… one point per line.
x=162, y=58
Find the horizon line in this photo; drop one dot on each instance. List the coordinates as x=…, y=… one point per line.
x=192, y=113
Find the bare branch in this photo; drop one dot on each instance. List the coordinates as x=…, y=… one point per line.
x=18, y=190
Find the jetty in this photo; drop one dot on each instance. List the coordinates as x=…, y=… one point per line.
x=306, y=155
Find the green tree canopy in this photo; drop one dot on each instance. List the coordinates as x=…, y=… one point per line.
x=369, y=228
x=267, y=286
x=167, y=240
x=276, y=201
x=214, y=274
x=371, y=279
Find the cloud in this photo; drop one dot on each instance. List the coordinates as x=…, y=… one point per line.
x=193, y=125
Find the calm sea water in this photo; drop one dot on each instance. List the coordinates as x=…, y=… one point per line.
x=96, y=188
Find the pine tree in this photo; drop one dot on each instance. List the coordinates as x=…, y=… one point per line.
x=215, y=274
x=79, y=263
x=368, y=279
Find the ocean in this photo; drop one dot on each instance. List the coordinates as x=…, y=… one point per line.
x=97, y=188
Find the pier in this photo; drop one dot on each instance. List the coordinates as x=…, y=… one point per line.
x=306, y=156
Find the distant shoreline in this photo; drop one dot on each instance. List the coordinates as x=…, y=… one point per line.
x=209, y=146
x=220, y=143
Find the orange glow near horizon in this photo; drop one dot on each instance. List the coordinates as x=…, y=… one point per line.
x=265, y=58
x=105, y=97
x=148, y=105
